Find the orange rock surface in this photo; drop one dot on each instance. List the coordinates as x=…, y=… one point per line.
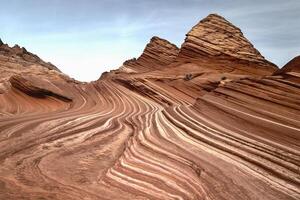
x=158, y=53
x=211, y=120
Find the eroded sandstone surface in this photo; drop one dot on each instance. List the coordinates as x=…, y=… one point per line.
x=216, y=38
x=157, y=54
x=210, y=120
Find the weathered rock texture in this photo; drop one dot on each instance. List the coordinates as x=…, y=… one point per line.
x=37, y=87
x=186, y=130
x=18, y=63
x=215, y=37
x=157, y=54
x=21, y=55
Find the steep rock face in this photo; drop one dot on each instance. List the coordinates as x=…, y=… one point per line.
x=158, y=52
x=215, y=37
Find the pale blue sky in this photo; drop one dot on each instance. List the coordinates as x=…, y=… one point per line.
x=87, y=37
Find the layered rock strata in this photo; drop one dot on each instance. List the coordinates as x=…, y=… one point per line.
x=21, y=55
x=215, y=37
x=158, y=53
x=179, y=130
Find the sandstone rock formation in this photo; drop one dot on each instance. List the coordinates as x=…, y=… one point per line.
x=17, y=63
x=22, y=56
x=212, y=124
x=291, y=67
x=215, y=37
x=37, y=87
x=158, y=53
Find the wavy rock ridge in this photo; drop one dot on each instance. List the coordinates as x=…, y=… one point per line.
x=164, y=126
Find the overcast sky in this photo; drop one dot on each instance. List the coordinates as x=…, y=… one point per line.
x=87, y=37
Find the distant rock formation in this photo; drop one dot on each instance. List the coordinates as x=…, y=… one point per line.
x=29, y=74
x=158, y=53
x=215, y=37
x=21, y=55
x=291, y=67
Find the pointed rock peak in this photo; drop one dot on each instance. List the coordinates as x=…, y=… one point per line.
x=216, y=37
x=215, y=17
x=215, y=21
x=16, y=47
x=1, y=43
x=159, y=40
x=155, y=38
x=161, y=44
x=292, y=66
x=157, y=53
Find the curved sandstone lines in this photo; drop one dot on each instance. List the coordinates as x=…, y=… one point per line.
x=127, y=163
x=71, y=128
x=268, y=160
x=232, y=143
x=15, y=103
x=280, y=151
x=117, y=129
x=62, y=129
x=212, y=123
x=128, y=146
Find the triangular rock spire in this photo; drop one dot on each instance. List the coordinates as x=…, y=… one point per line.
x=1, y=43
x=216, y=37
x=158, y=52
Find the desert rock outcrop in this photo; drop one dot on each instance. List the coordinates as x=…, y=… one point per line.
x=215, y=37
x=158, y=53
x=210, y=123
x=291, y=67
x=21, y=55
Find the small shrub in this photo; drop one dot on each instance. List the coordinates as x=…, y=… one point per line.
x=188, y=77
x=223, y=78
